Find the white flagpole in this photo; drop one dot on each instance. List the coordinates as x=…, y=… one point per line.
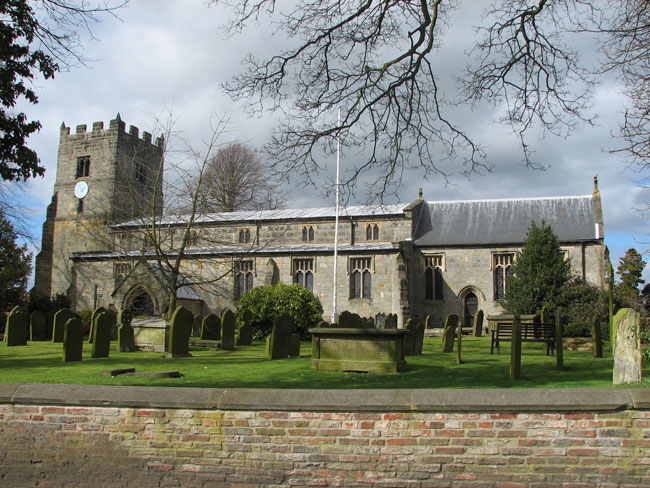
x=336, y=224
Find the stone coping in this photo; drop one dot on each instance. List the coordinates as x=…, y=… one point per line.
x=394, y=400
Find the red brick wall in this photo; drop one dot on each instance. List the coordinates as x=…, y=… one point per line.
x=59, y=445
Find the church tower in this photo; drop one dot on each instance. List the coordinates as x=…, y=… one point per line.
x=103, y=176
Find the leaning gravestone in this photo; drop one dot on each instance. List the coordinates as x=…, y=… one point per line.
x=60, y=319
x=102, y=335
x=228, y=327
x=179, y=333
x=418, y=338
x=277, y=344
x=478, y=323
x=38, y=325
x=49, y=324
x=73, y=340
x=17, y=328
x=409, y=338
x=126, y=334
x=94, y=316
x=428, y=321
x=627, y=348
x=211, y=328
x=451, y=323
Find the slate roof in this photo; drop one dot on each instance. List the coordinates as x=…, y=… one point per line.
x=506, y=221
x=283, y=214
x=247, y=250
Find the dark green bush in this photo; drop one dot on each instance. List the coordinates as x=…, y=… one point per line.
x=45, y=304
x=581, y=303
x=265, y=302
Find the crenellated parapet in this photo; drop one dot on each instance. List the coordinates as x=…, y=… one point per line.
x=115, y=126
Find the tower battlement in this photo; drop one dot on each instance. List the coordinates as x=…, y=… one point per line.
x=116, y=125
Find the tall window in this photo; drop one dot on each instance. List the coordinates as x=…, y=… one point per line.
x=244, y=236
x=243, y=277
x=303, y=273
x=80, y=205
x=372, y=232
x=360, y=278
x=502, y=269
x=307, y=233
x=83, y=167
x=433, y=281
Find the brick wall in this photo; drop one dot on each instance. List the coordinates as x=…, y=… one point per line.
x=56, y=435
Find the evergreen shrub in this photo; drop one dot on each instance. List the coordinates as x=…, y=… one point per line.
x=265, y=302
x=580, y=304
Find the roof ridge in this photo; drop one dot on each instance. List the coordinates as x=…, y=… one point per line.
x=516, y=199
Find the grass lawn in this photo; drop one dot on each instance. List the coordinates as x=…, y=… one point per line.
x=40, y=362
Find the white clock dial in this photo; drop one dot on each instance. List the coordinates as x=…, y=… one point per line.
x=81, y=189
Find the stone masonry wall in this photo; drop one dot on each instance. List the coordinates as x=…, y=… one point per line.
x=74, y=436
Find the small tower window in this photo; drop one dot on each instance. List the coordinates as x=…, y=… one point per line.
x=83, y=167
x=140, y=172
x=244, y=236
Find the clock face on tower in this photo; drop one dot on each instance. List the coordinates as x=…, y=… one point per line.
x=81, y=189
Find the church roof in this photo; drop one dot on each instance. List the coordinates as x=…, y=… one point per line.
x=283, y=214
x=506, y=221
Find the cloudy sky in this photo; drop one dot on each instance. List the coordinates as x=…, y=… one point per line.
x=164, y=55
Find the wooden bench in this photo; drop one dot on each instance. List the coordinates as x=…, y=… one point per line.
x=531, y=331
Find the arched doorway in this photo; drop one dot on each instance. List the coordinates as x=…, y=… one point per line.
x=139, y=300
x=470, y=309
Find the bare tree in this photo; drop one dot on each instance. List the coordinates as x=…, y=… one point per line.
x=235, y=179
x=377, y=61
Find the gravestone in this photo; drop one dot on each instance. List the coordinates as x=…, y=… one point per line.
x=228, y=327
x=428, y=322
x=179, y=333
x=349, y=320
x=114, y=325
x=515, y=349
x=17, y=327
x=102, y=335
x=368, y=323
x=277, y=344
x=125, y=333
x=627, y=348
x=409, y=338
x=49, y=324
x=294, y=346
x=418, y=338
x=478, y=323
x=597, y=338
x=322, y=325
x=94, y=315
x=211, y=328
x=60, y=318
x=380, y=320
x=451, y=323
x=245, y=335
x=38, y=325
x=73, y=340
x=391, y=321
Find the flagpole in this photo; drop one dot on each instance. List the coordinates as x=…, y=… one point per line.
x=336, y=224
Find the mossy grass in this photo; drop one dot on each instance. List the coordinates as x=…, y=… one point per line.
x=247, y=367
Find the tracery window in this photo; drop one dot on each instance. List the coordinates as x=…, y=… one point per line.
x=244, y=236
x=303, y=273
x=502, y=270
x=307, y=233
x=372, y=232
x=244, y=272
x=360, y=278
x=433, y=280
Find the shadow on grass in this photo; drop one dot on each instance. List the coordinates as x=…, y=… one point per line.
x=246, y=367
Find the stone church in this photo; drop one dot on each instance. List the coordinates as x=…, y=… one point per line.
x=423, y=257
